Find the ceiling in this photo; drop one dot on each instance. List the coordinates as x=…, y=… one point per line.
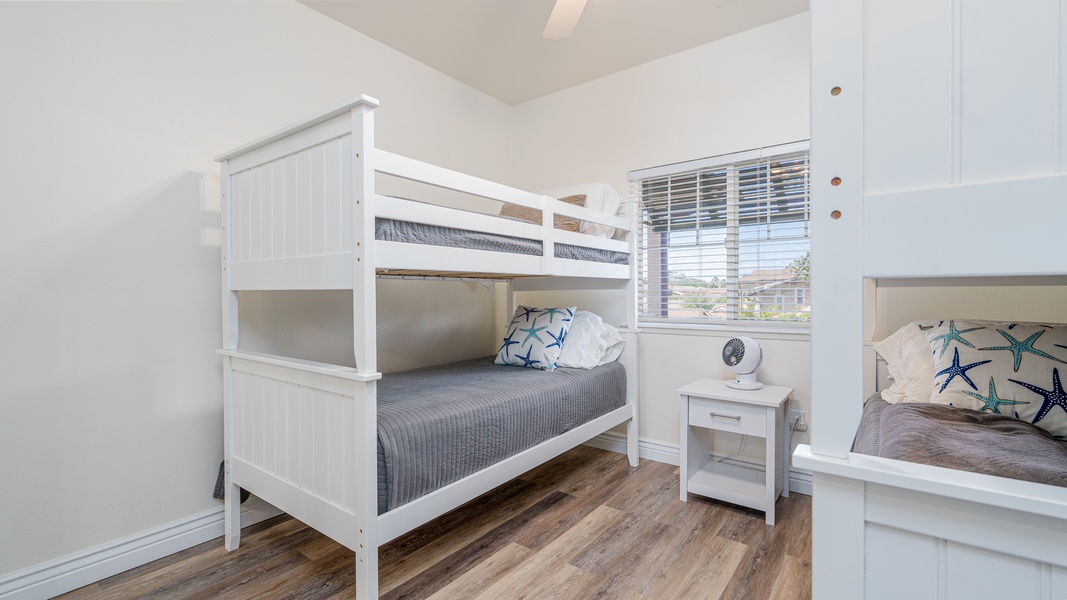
x=496, y=46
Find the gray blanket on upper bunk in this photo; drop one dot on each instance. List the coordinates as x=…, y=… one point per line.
x=390, y=230
x=437, y=425
x=963, y=439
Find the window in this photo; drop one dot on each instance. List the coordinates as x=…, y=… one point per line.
x=726, y=238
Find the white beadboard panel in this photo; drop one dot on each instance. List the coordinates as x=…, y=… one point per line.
x=978, y=573
x=238, y=408
x=254, y=215
x=1057, y=582
x=278, y=200
x=255, y=420
x=346, y=200
x=266, y=425
x=335, y=450
x=885, y=549
x=907, y=71
x=318, y=200
x=1010, y=70
x=297, y=433
x=244, y=218
x=306, y=448
x=292, y=208
x=303, y=202
x=281, y=413
x=332, y=195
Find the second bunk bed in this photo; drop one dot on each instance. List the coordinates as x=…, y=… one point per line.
x=938, y=165
x=362, y=457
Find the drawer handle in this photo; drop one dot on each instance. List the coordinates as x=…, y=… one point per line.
x=715, y=415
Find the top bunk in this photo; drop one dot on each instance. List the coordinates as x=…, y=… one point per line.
x=306, y=208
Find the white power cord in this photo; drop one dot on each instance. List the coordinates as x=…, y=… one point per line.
x=740, y=449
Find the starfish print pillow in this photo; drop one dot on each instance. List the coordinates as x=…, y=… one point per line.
x=1015, y=369
x=535, y=337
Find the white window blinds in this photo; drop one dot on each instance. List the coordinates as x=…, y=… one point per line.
x=726, y=238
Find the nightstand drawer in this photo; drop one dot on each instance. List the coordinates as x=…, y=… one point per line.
x=728, y=416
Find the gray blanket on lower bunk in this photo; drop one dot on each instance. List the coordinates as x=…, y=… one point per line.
x=963, y=439
x=437, y=425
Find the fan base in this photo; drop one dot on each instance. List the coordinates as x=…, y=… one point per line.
x=743, y=385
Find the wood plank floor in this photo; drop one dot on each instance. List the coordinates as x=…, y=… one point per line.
x=585, y=525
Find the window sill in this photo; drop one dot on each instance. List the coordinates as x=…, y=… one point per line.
x=770, y=331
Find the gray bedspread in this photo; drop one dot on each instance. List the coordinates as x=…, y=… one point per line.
x=434, y=235
x=439, y=424
x=963, y=439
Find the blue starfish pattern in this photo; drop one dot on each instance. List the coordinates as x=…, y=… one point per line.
x=551, y=312
x=953, y=334
x=506, y=346
x=992, y=402
x=556, y=341
x=1054, y=397
x=955, y=369
x=531, y=332
x=526, y=360
x=527, y=311
x=1020, y=348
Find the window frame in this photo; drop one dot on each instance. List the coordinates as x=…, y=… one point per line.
x=728, y=162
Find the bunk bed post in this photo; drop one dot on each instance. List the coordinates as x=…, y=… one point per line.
x=837, y=299
x=232, y=493
x=631, y=335
x=363, y=277
x=365, y=346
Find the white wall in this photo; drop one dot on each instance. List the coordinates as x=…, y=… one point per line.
x=746, y=91
x=110, y=410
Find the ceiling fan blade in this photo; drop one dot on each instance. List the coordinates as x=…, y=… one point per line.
x=564, y=17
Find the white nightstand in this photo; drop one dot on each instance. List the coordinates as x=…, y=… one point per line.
x=707, y=404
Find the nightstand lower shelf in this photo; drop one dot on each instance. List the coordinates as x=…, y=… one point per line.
x=739, y=485
x=710, y=407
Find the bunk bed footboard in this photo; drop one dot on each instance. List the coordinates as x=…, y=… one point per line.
x=976, y=535
x=301, y=436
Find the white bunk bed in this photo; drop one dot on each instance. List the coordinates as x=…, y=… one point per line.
x=928, y=119
x=299, y=213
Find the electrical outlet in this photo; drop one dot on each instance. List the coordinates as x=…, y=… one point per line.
x=796, y=421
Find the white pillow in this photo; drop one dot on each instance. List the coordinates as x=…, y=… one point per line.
x=911, y=366
x=590, y=342
x=600, y=197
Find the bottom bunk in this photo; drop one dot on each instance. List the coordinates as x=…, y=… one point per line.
x=443, y=436
x=439, y=424
x=962, y=439
x=942, y=496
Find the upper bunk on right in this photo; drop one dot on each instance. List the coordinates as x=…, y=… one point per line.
x=318, y=205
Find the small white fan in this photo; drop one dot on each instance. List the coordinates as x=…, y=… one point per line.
x=743, y=356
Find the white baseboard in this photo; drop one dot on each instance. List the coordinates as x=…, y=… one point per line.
x=92, y=565
x=799, y=479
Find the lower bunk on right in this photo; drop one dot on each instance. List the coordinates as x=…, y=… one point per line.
x=978, y=396
x=956, y=483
